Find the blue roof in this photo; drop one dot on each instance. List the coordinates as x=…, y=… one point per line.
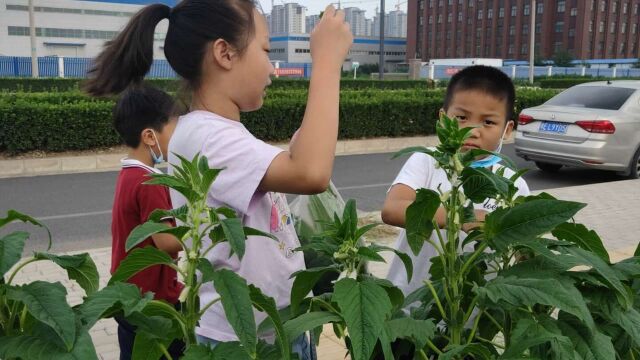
x=138, y=2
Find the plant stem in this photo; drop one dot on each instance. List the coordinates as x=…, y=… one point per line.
x=23, y=317
x=475, y=327
x=15, y=272
x=433, y=347
x=165, y=352
x=473, y=257
x=436, y=299
x=208, y=306
x=490, y=342
x=422, y=355
x=493, y=320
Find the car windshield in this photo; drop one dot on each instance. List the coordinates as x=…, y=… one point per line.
x=593, y=97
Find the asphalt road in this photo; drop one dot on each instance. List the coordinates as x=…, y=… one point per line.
x=76, y=207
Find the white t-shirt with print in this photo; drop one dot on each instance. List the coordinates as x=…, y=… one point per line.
x=267, y=264
x=417, y=173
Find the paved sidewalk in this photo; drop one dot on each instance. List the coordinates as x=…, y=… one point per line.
x=612, y=212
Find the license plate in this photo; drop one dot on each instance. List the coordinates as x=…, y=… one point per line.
x=553, y=127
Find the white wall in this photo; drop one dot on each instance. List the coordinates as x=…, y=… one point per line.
x=20, y=45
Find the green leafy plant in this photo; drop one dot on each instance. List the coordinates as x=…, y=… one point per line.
x=36, y=322
x=535, y=285
x=158, y=322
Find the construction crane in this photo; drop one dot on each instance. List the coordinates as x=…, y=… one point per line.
x=339, y=3
x=399, y=3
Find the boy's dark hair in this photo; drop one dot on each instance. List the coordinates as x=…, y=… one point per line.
x=193, y=24
x=486, y=79
x=141, y=107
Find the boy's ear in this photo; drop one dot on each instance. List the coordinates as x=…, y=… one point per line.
x=147, y=138
x=510, y=125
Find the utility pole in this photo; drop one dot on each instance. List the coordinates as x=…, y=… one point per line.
x=381, y=64
x=532, y=40
x=32, y=35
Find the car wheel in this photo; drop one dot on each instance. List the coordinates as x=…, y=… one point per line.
x=634, y=168
x=548, y=167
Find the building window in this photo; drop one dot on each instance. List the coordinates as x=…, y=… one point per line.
x=479, y=14
x=557, y=46
x=559, y=26
x=459, y=17
x=601, y=28
x=591, y=26
x=470, y=3
x=527, y=10
x=525, y=29
x=614, y=8
x=523, y=49
x=603, y=5
x=510, y=51
x=561, y=6
x=430, y=19
x=625, y=8
x=490, y=14
x=303, y=51
x=430, y=4
x=540, y=8
x=612, y=29
x=572, y=32
x=538, y=28
x=512, y=30
x=449, y=17
x=574, y=11
x=501, y=12
x=622, y=46
x=514, y=10
x=440, y=19
x=635, y=9
x=623, y=28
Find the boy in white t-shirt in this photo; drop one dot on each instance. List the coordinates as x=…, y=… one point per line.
x=478, y=96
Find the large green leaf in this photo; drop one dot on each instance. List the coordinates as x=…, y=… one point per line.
x=13, y=215
x=598, y=265
x=481, y=183
x=419, y=218
x=364, y=306
x=141, y=232
x=249, y=231
x=406, y=260
x=11, y=248
x=180, y=213
x=309, y=321
x=304, y=282
x=138, y=260
x=478, y=351
x=43, y=348
x=370, y=254
x=234, y=233
x=236, y=301
x=174, y=183
x=80, y=268
x=268, y=305
x=528, y=220
x=47, y=303
x=583, y=237
x=528, y=291
x=603, y=303
x=590, y=345
x=146, y=347
x=529, y=333
x=118, y=297
x=417, y=331
x=206, y=270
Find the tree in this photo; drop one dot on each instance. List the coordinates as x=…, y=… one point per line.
x=563, y=58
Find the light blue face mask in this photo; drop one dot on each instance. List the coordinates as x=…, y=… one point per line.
x=157, y=159
x=491, y=159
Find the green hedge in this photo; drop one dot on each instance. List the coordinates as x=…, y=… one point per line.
x=68, y=121
x=172, y=85
x=567, y=82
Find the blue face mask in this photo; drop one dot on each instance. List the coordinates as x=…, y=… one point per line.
x=490, y=160
x=157, y=159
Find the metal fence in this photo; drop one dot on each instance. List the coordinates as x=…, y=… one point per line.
x=69, y=67
x=443, y=72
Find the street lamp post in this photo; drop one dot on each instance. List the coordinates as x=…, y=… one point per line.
x=532, y=40
x=381, y=60
x=32, y=35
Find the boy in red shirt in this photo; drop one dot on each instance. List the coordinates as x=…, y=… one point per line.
x=144, y=119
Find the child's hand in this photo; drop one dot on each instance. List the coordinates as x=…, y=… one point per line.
x=331, y=39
